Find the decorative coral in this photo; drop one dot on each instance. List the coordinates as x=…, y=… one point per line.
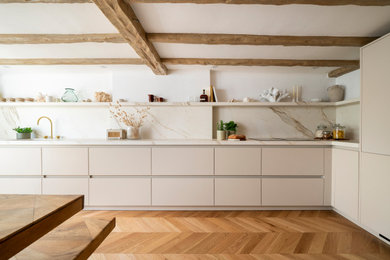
x=274, y=95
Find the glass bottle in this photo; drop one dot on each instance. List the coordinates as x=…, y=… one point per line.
x=69, y=95
x=338, y=132
x=204, y=97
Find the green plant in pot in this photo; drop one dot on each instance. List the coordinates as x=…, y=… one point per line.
x=221, y=133
x=23, y=133
x=230, y=128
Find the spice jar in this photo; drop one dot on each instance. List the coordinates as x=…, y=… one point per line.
x=327, y=135
x=338, y=132
x=319, y=132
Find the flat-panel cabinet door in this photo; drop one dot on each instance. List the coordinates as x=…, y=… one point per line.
x=183, y=192
x=182, y=161
x=66, y=186
x=119, y=191
x=237, y=161
x=20, y=185
x=293, y=161
x=65, y=161
x=292, y=192
x=20, y=161
x=120, y=161
x=375, y=193
x=237, y=192
x=346, y=173
x=375, y=103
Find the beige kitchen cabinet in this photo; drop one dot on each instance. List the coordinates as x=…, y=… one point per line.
x=65, y=161
x=375, y=92
x=167, y=191
x=237, y=191
x=375, y=193
x=20, y=161
x=66, y=186
x=120, y=161
x=119, y=191
x=237, y=161
x=183, y=161
x=345, y=168
x=20, y=185
x=292, y=161
x=292, y=192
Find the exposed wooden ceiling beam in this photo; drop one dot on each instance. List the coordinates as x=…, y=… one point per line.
x=122, y=16
x=45, y=1
x=59, y=38
x=341, y=71
x=261, y=62
x=81, y=61
x=274, y=2
x=245, y=39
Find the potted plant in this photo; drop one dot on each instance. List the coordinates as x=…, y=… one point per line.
x=230, y=128
x=221, y=133
x=23, y=133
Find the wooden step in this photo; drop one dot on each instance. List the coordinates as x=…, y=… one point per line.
x=76, y=238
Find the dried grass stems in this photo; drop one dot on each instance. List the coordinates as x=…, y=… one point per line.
x=135, y=119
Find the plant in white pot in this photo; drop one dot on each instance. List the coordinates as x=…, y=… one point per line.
x=221, y=133
x=23, y=133
x=133, y=121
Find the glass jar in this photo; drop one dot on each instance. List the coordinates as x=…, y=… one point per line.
x=319, y=134
x=338, y=132
x=327, y=135
x=133, y=133
x=69, y=95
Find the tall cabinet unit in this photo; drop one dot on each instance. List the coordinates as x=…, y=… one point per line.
x=375, y=140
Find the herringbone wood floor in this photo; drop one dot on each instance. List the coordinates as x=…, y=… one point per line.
x=235, y=235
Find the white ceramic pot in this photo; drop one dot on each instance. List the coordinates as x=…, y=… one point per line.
x=336, y=93
x=133, y=133
x=221, y=135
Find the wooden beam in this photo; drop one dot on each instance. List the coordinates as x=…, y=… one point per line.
x=122, y=16
x=116, y=61
x=341, y=71
x=261, y=62
x=245, y=39
x=273, y=2
x=45, y=1
x=59, y=38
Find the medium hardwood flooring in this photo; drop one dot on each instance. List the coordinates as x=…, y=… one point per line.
x=235, y=235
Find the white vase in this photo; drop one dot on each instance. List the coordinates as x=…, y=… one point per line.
x=133, y=133
x=221, y=135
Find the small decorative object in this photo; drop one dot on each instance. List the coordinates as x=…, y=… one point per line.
x=116, y=134
x=133, y=121
x=248, y=99
x=23, y=133
x=122, y=100
x=102, y=97
x=29, y=100
x=204, y=97
x=336, y=93
x=151, y=97
x=160, y=99
x=87, y=100
x=338, y=132
x=40, y=97
x=274, y=95
x=297, y=92
x=49, y=98
x=19, y=99
x=3, y=99
x=319, y=134
x=11, y=99
x=230, y=128
x=221, y=133
x=69, y=96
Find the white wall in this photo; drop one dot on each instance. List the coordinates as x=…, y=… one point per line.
x=351, y=81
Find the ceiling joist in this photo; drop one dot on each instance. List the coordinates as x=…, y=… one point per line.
x=45, y=1
x=80, y=61
x=59, y=38
x=341, y=71
x=122, y=16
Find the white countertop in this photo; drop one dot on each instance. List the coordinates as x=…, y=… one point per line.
x=174, y=142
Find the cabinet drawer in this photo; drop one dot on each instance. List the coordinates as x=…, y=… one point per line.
x=182, y=161
x=120, y=161
x=66, y=186
x=65, y=161
x=20, y=161
x=237, y=161
x=119, y=191
x=293, y=161
x=292, y=192
x=182, y=192
x=20, y=185
x=237, y=192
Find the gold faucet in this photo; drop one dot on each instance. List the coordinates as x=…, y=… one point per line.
x=51, y=125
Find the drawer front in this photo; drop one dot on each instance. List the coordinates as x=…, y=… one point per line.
x=20, y=161
x=20, y=185
x=120, y=161
x=237, y=192
x=120, y=191
x=182, y=161
x=66, y=186
x=183, y=192
x=293, y=161
x=237, y=161
x=65, y=161
x=292, y=192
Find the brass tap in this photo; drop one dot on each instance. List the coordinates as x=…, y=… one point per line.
x=51, y=125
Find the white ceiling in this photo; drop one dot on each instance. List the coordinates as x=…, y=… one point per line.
x=193, y=18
